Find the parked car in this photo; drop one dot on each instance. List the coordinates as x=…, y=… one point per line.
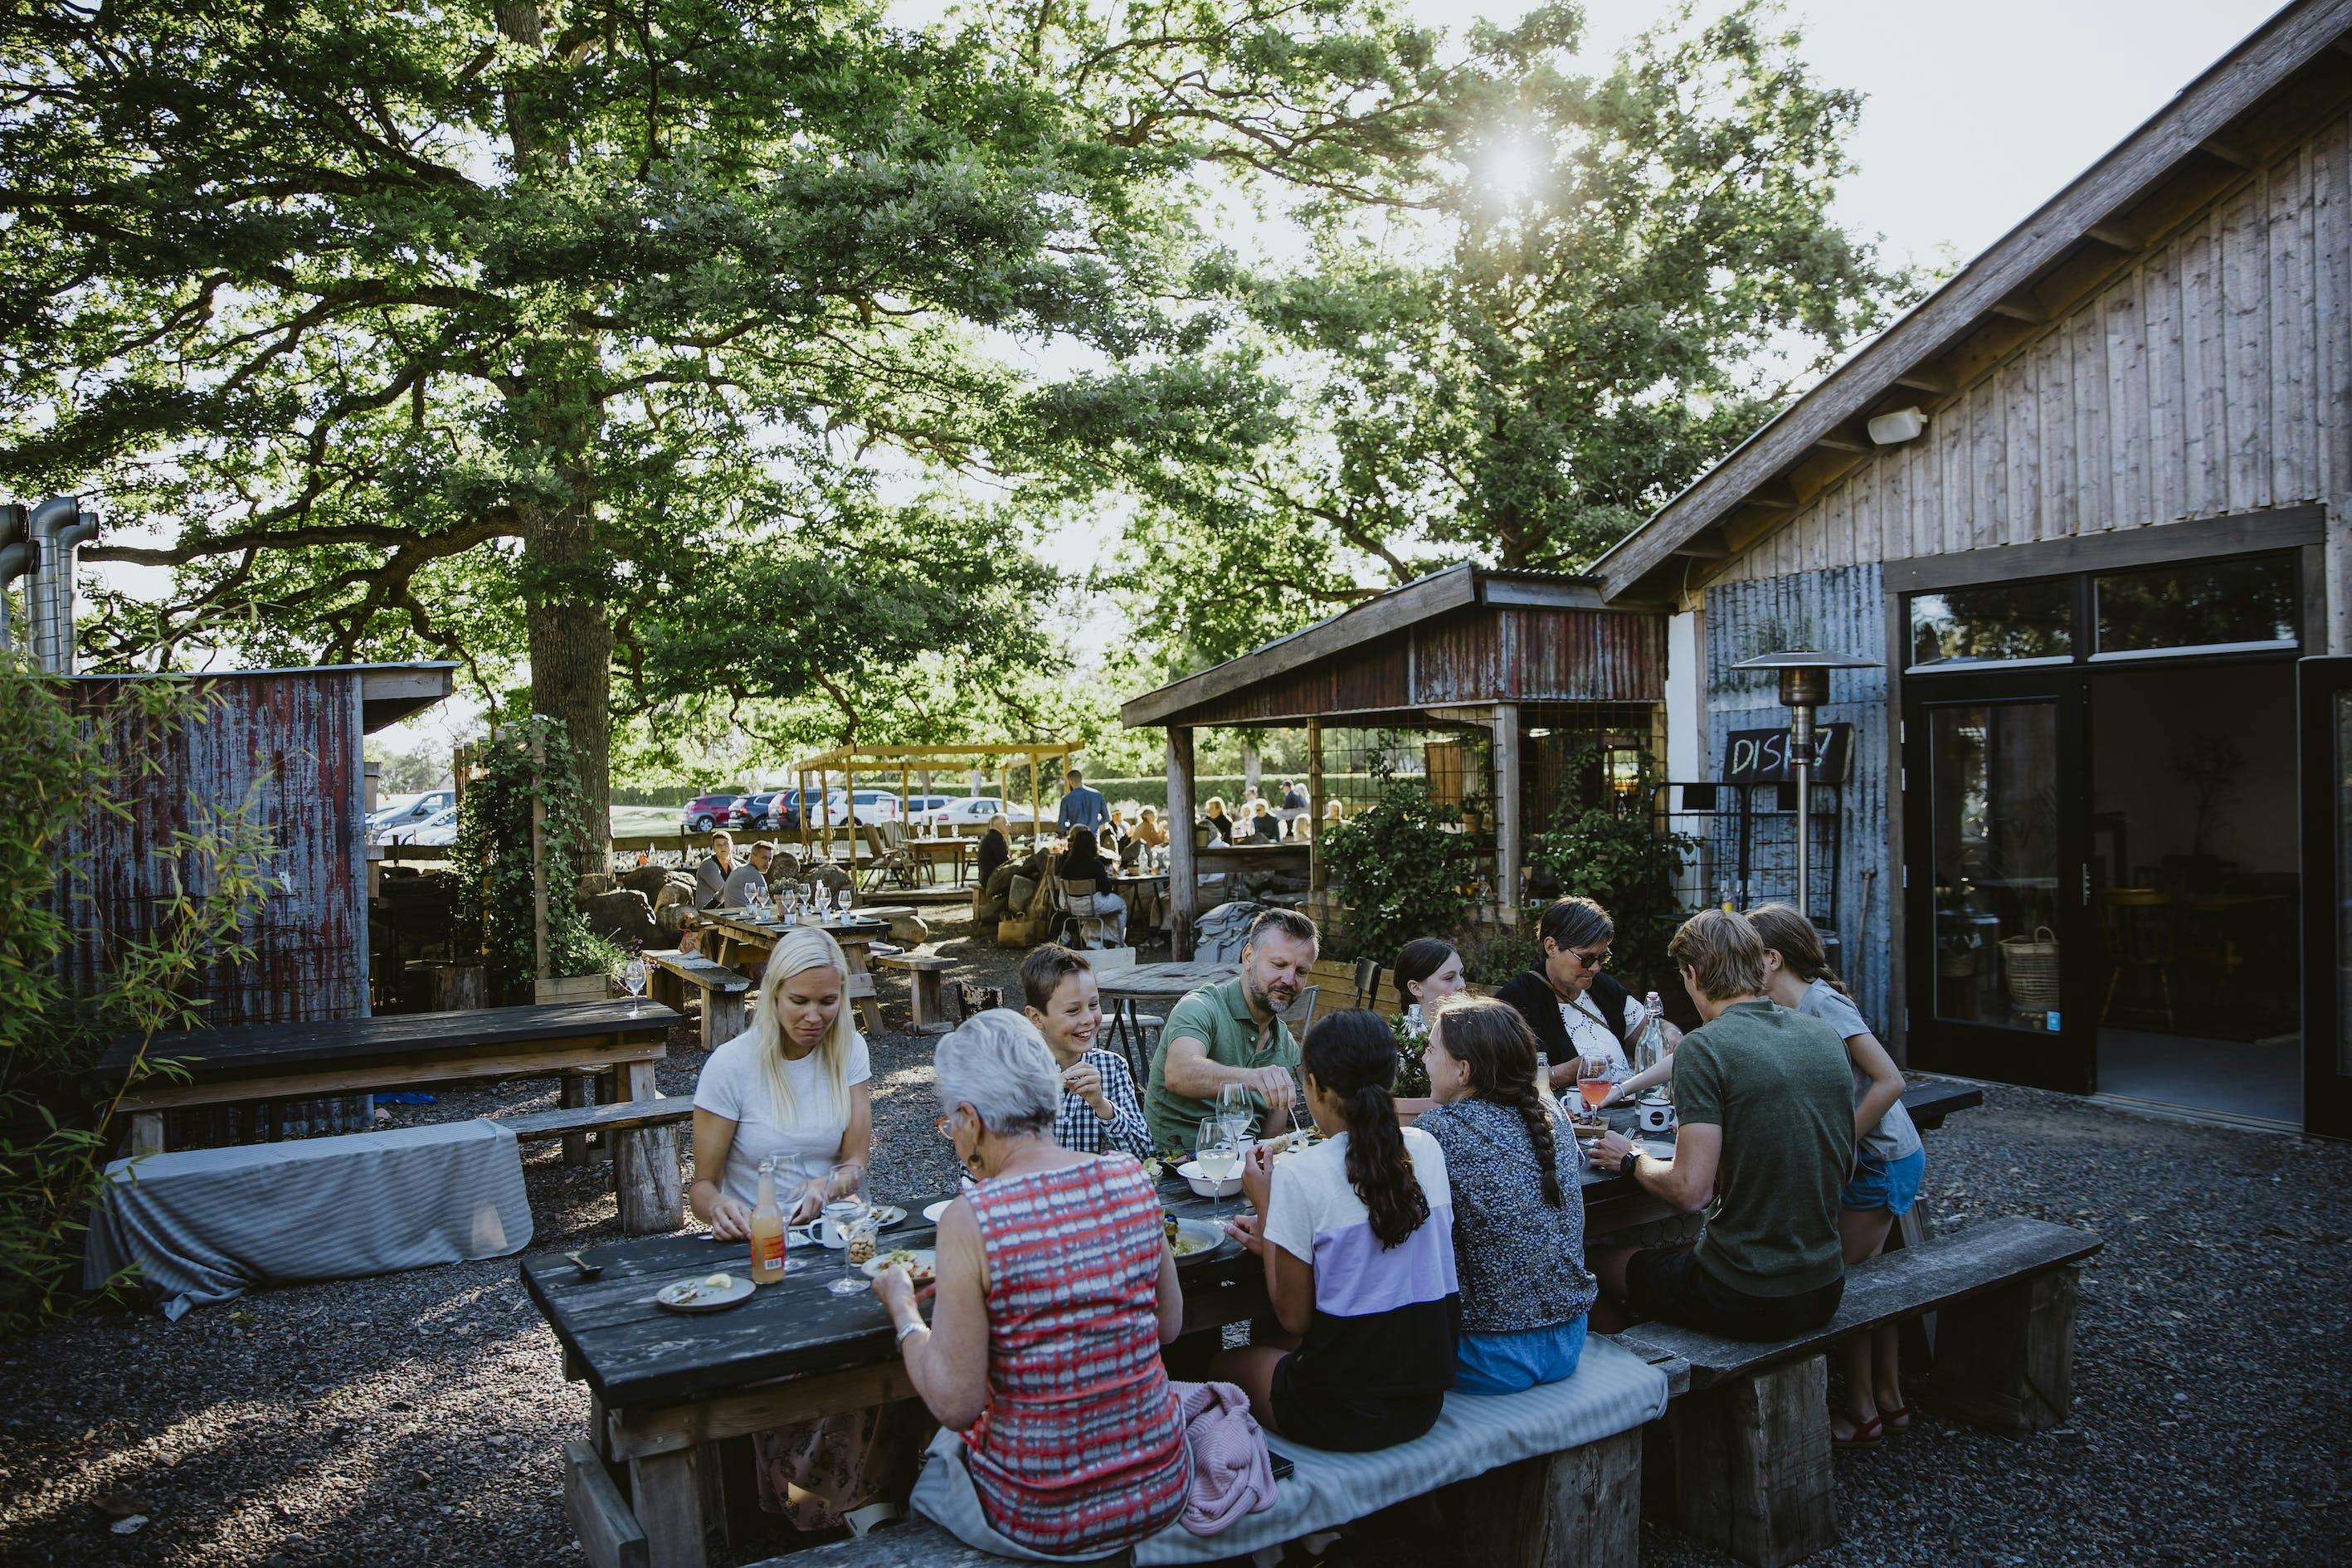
x=439, y=830
x=409, y=810
x=756, y=810
x=705, y=812
x=971, y=813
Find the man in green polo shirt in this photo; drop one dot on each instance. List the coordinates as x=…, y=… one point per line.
x=1233, y=1033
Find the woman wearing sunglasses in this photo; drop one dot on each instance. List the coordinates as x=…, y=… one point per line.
x=1580, y=1015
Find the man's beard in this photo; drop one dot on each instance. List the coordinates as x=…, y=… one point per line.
x=1261, y=999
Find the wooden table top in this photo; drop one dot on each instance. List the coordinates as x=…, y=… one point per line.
x=1145, y=980
x=634, y=1352
x=854, y=929
x=251, y=1049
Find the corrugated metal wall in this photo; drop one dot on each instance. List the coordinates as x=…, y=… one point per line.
x=2212, y=378
x=299, y=732
x=1840, y=610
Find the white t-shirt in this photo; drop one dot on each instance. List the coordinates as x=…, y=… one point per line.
x=1593, y=1037
x=1314, y=1213
x=735, y=1086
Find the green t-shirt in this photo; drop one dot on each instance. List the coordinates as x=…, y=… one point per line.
x=1776, y=1082
x=1219, y=1018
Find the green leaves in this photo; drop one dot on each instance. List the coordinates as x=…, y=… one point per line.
x=1402, y=867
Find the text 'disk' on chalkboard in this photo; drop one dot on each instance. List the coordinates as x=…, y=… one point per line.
x=1763, y=756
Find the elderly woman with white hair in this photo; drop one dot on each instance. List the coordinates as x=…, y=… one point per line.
x=1056, y=1288
x=794, y=1088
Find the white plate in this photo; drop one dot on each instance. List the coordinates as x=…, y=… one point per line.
x=926, y=1264
x=931, y=1212
x=1190, y=1170
x=675, y=1296
x=1210, y=1235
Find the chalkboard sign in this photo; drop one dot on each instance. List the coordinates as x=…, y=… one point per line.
x=1761, y=756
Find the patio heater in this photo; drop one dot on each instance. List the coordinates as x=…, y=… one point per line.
x=1804, y=686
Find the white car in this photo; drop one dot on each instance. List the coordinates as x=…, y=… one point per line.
x=437, y=831
x=410, y=811
x=973, y=812
x=873, y=806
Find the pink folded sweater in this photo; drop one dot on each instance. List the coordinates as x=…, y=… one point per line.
x=1232, y=1475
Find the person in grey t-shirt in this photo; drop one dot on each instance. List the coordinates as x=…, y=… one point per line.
x=1888, y=1159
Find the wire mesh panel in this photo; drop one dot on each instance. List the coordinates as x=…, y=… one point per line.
x=1749, y=831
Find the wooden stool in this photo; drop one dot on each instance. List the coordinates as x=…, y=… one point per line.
x=926, y=997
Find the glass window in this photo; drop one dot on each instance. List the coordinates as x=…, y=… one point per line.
x=2007, y=621
x=1994, y=814
x=2210, y=604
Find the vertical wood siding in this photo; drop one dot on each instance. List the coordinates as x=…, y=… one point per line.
x=1839, y=608
x=2213, y=377
x=298, y=733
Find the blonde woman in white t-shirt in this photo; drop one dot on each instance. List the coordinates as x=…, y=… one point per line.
x=793, y=1087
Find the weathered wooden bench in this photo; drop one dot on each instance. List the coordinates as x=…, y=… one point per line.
x=725, y=992
x=1747, y=1468
x=926, y=997
x=1511, y=1503
x=644, y=1151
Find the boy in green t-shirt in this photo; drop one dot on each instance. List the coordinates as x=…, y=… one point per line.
x=1765, y=1110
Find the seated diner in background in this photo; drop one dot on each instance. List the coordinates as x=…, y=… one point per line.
x=1583, y=1020
x=1234, y=1033
x=794, y=1089
x=1519, y=1218
x=996, y=848
x=1356, y=1237
x=750, y=878
x=1149, y=832
x=1055, y=1290
x=1265, y=827
x=1764, y=1107
x=1889, y=1160
x=1099, y=1111
x=1084, y=862
x=1427, y=971
x=715, y=870
x=1220, y=826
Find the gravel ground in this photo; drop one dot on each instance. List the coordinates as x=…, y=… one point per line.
x=418, y=1418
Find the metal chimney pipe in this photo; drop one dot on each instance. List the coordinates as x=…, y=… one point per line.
x=16, y=559
x=59, y=525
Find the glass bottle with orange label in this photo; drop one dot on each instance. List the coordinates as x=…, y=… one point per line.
x=767, y=1230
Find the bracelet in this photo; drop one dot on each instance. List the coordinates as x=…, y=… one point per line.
x=910, y=1329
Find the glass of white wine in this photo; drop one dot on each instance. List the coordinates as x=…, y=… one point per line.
x=1216, y=1153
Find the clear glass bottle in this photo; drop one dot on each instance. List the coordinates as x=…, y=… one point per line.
x=1650, y=1045
x=1543, y=1087
x=767, y=1230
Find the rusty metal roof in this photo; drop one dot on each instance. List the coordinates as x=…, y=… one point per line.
x=388, y=692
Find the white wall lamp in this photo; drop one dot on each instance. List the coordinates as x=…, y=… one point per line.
x=1894, y=429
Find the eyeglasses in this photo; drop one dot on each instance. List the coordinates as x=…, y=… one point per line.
x=1591, y=959
x=944, y=1126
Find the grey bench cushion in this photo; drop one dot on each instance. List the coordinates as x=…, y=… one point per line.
x=1613, y=1390
x=204, y=1224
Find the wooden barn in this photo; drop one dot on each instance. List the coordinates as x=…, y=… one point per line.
x=2084, y=511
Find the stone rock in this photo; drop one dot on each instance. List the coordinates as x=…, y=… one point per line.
x=620, y=916
x=909, y=931
x=646, y=879
x=593, y=884
x=830, y=876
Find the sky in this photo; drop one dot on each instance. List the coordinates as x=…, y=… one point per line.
x=1973, y=117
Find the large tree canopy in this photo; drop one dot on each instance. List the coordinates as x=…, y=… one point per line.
x=578, y=331
x=1515, y=350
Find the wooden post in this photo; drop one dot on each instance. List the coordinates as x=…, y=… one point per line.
x=669, y=1509
x=1507, y=830
x=539, y=868
x=1316, y=873
x=1752, y=1461
x=1184, y=885
x=1582, y=1506
x=579, y=1092
x=2005, y=1362
x=1036, y=806
x=644, y=1166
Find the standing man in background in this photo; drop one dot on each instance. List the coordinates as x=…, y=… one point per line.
x=1081, y=806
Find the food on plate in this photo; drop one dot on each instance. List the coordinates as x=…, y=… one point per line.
x=1170, y=1225
x=918, y=1265
x=719, y=1282
x=1185, y=1245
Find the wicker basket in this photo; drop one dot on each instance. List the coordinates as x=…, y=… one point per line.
x=2030, y=965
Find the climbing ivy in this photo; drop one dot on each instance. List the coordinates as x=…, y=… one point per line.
x=524, y=760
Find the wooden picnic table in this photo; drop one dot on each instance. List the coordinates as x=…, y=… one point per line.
x=348, y=1056
x=745, y=943
x=929, y=852
x=665, y=1386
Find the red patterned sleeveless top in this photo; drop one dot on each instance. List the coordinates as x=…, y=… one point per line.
x=1081, y=1448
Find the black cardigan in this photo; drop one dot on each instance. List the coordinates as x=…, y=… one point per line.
x=1539, y=1003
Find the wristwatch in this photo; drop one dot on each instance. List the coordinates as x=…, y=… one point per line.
x=1625, y=1165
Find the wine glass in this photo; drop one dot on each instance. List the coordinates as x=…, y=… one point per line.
x=1215, y=1150
x=841, y=902
x=792, y=904
x=844, y=1211
x=632, y=979
x=1234, y=1108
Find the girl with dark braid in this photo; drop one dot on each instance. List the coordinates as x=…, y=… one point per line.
x=1518, y=1223
x=1357, y=1235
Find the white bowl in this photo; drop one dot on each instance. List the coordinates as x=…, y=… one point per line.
x=1230, y=1187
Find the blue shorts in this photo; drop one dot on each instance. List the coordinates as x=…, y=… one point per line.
x=1511, y=1363
x=1894, y=1188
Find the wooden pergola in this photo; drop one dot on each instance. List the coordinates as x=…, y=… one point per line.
x=909, y=761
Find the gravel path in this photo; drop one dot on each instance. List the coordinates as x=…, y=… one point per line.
x=418, y=1418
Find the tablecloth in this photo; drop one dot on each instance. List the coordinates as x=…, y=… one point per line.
x=203, y=1225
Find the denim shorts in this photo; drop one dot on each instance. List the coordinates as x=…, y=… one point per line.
x=1894, y=1188
x=1509, y=1362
